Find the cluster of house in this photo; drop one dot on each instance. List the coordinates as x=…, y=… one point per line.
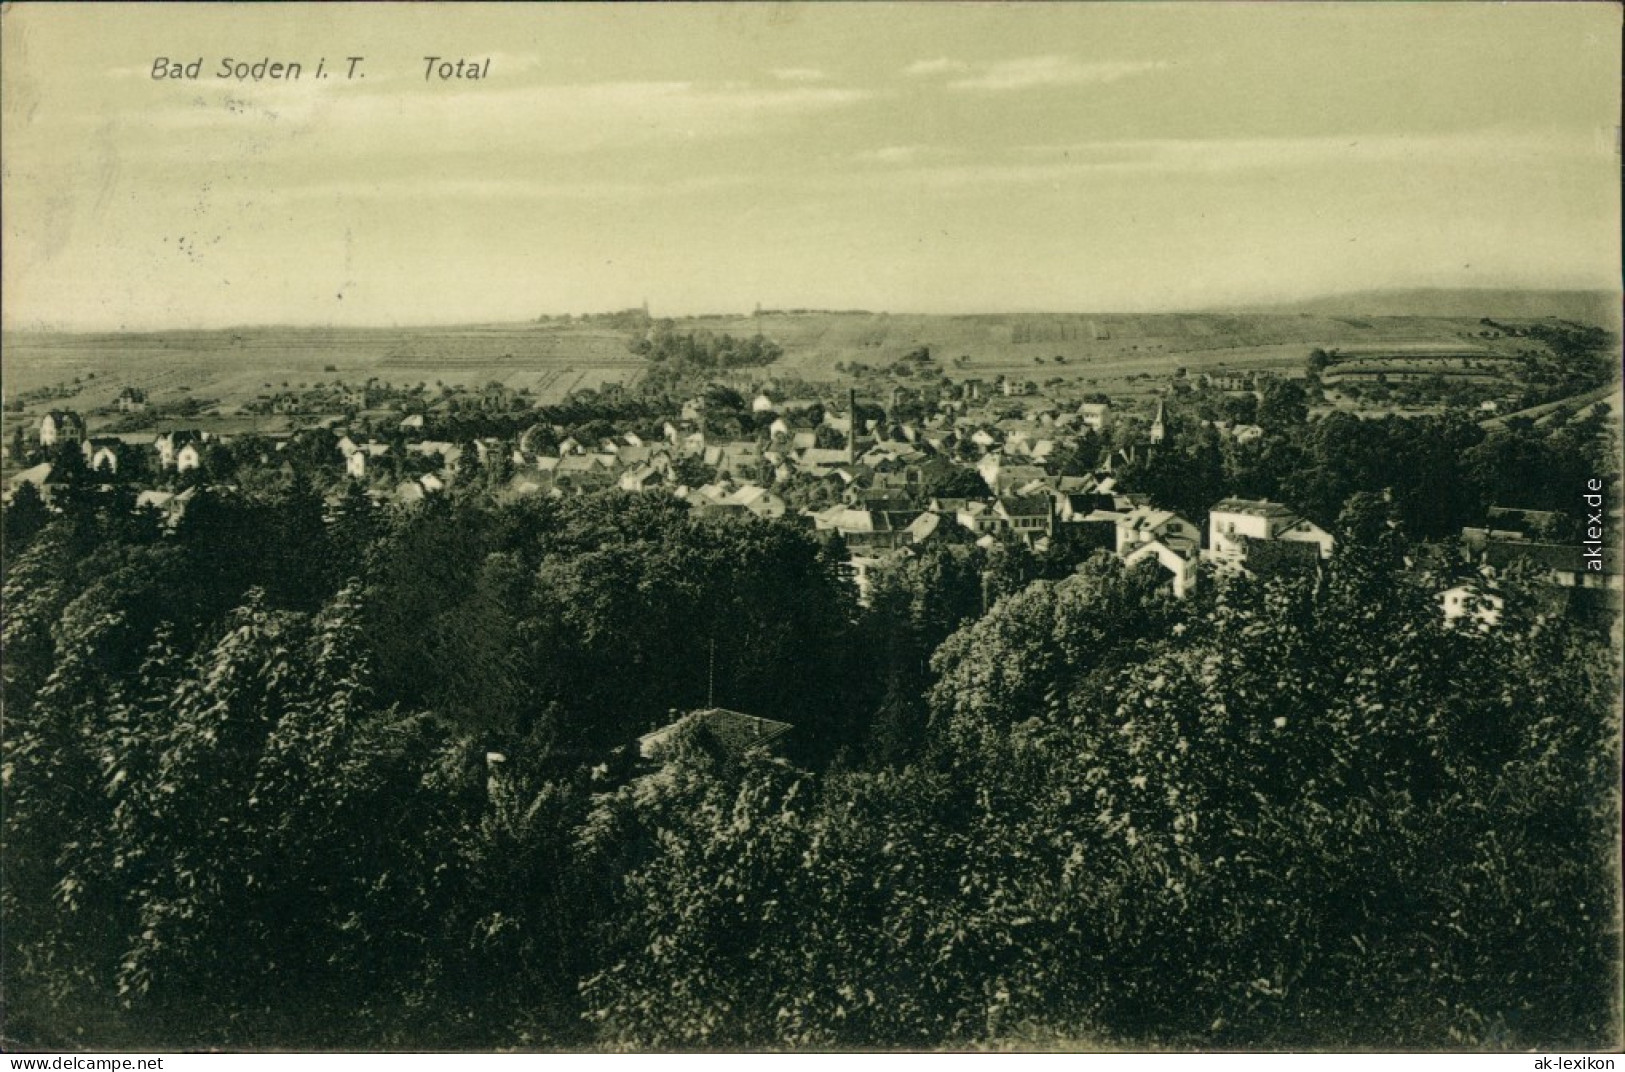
x=180, y=450
x=1513, y=539
x=875, y=484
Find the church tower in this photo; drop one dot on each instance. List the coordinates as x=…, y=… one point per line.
x=1159, y=426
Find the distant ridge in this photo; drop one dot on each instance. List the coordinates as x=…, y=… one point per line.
x=1597, y=307
x=1587, y=306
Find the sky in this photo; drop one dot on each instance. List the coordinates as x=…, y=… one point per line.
x=939, y=158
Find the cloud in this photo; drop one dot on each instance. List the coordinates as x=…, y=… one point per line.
x=573, y=117
x=900, y=154
x=466, y=189
x=512, y=62
x=1064, y=166
x=1252, y=154
x=941, y=65
x=1035, y=71
x=800, y=74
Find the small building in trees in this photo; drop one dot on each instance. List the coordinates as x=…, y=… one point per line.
x=1236, y=524
x=1562, y=565
x=189, y=456
x=726, y=734
x=1180, y=566
x=1095, y=415
x=37, y=475
x=102, y=454
x=61, y=426
x=1146, y=524
x=170, y=444
x=169, y=505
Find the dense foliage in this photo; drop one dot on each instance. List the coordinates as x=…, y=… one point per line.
x=704, y=350
x=320, y=773
x=1442, y=471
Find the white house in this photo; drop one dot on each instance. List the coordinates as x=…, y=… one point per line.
x=1179, y=565
x=1146, y=524
x=102, y=454
x=188, y=457
x=1232, y=522
x=1096, y=415
x=61, y=426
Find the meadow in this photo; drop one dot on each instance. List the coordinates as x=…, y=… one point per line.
x=1119, y=354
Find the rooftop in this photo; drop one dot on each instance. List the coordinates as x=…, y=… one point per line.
x=731, y=731
x=1252, y=508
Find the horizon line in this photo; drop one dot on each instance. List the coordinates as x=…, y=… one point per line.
x=1255, y=307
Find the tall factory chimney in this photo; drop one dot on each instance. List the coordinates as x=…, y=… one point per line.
x=852, y=419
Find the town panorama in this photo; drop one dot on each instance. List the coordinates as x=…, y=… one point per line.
x=818, y=679
x=810, y=528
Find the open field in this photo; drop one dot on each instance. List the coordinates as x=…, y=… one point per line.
x=1119, y=354
x=236, y=366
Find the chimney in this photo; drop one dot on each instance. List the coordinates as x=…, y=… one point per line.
x=852, y=420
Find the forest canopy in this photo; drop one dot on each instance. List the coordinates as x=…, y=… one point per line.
x=368, y=778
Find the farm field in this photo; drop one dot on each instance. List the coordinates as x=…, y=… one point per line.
x=236, y=366
x=1115, y=353
x=1118, y=354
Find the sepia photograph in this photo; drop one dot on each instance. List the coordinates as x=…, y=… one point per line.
x=901, y=528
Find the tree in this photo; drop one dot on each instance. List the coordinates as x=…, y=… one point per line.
x=355, y=527
x=955, y=482
x=1030, y=648
x=828, y=438
x=25, y=515
x=1284, y=404
x=468, y=463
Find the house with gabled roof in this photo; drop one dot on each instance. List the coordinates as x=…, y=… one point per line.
x=1180, y=566
x=729, y=735
x=1146, y=524
x=1563, y=565
x=38, y=475
x=1003, y=476
x=189, y=456
x=759, y=501
x=821, y=460
x=61, y=426
x=1096, y=415
x=170, y=444
x=170, y=505
x=103, y=453
x=861, y=529
x=358, y=461
x=1026, y=515
x=642, y=478
x=1234, y=523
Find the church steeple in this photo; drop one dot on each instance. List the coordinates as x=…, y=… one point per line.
x=1159, y=425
